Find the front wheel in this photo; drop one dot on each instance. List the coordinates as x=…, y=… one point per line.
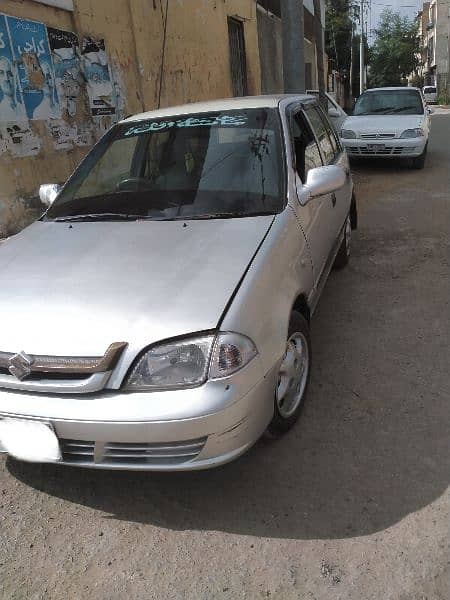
x=419, y=161
x=293, y=377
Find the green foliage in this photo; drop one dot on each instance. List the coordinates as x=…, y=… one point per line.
x=395, y=51
x=338, y=33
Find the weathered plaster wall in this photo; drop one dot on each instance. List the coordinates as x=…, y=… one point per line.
x=194, y=61
x=185, y=49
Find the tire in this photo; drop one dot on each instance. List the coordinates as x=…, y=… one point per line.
x=290, y=397
x=343, y=255
x=419, y=161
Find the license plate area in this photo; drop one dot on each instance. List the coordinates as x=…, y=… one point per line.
x=375, y=147
x=32, y=441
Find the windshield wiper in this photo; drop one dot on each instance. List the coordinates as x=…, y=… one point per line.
x=397, y=110
x=217, y=215
x=100, y=217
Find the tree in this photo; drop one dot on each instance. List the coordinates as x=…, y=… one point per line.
x=338, y=33
x=394, y=53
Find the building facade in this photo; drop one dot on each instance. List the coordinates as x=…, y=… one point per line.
x=436, y=44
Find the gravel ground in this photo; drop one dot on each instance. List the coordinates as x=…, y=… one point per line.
x=353, y=504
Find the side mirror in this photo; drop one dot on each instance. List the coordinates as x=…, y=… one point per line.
x=48, y=193
x=333, y=112
x=321, y=181
x=430, y=110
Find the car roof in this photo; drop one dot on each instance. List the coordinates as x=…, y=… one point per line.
x=269, y=101
x=397, y=88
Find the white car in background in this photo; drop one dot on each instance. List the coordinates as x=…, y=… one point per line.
x=336, y=114
x=430, y=94
x=389, y=122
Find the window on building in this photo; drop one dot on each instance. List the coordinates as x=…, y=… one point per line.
x=430, y=50
x=237, y=57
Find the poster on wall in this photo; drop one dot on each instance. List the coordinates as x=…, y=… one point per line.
x=98, y=77
x=11, y=102
x=70, y=81
x=37, y=81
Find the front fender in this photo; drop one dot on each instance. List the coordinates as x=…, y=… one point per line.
x=279, y=273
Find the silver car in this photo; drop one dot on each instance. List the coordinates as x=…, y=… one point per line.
x=157, y=315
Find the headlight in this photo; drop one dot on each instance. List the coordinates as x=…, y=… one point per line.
x=412, y=133
x=189, y=362
x=348, y=134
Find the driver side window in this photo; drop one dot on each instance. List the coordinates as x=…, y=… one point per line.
x=307, y=153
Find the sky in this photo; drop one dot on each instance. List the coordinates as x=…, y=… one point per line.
x=406, y=8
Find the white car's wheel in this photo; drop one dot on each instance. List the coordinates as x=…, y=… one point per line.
x=293, y=377
x=419, y=162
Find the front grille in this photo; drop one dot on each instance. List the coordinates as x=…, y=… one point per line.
x=49, y=376
x=377, y=136
x=391, y=150
x=130, y=453
x=65, y=374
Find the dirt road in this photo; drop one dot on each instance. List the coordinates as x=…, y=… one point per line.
x=353, y=504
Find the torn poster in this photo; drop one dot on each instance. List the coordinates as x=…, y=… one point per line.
x=70, y=81
x=18, y=139
x=96, y=70
x=11, y=102
x=37, y=81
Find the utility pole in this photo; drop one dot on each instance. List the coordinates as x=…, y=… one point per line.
x=293, y=46
x=352, y=57
x=318, y=34
x=361, y=48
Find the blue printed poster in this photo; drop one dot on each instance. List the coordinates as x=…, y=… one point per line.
x=35, y=69
x=11, y=101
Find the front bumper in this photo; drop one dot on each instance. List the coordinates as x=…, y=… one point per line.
x=158, y=431
x=390, y=148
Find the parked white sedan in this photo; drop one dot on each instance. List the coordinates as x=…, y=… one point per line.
x=430, y=94
x=157, y=316
x=389, y=123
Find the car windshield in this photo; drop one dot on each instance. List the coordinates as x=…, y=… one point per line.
x=429, y=90
x=205, y=165
x=389, y=102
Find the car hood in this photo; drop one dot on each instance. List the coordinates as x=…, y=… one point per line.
x=383, y=123
x=73, y=289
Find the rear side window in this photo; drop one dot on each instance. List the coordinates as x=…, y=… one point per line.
x=325, y=143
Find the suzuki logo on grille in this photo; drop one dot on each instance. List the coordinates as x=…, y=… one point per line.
x=20, y=365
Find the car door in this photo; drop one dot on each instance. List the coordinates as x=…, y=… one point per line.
x=314, y=216
x=339, y=158
x=335, y=206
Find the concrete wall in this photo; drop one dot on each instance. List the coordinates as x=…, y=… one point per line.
x=271, y=51
x=192, y=64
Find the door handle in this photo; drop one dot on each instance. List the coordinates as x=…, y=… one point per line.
x=333, y=200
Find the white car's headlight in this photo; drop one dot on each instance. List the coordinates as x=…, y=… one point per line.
x=348, y=134
x=189, y=362
x=412, y=133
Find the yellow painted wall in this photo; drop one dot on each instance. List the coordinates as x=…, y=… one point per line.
x=196, y=67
